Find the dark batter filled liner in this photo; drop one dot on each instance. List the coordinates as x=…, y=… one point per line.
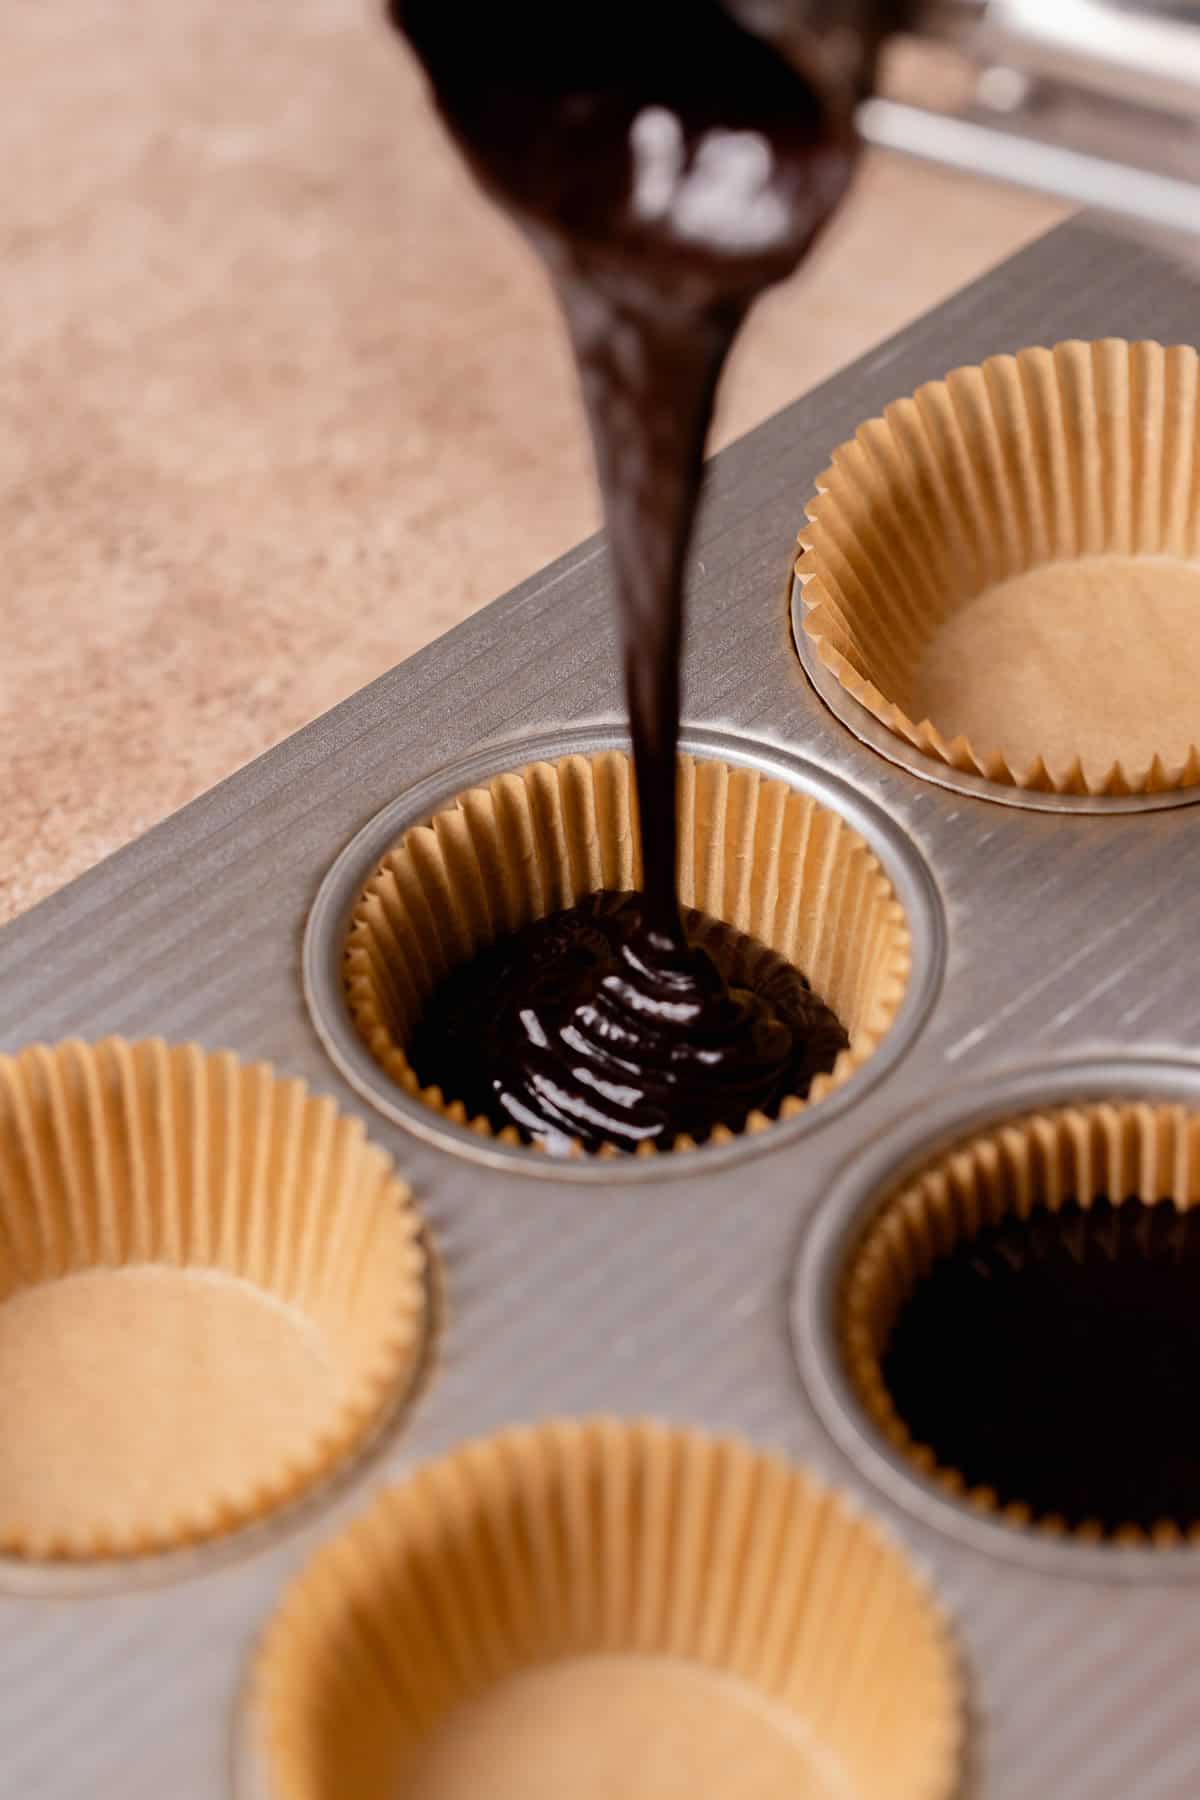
x=781, y=879
x=569, y=1030
x=1023, y=1320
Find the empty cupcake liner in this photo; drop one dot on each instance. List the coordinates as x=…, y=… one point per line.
x=1005, y=568
x=600, y=1607
x=211, y=1290
x=755, y=853
x=1132, y=1153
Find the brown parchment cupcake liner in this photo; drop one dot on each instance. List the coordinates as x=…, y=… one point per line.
x=1005, y=568
x=1133, y=1154
x=755, y=853
x=211, y=1289
x=599, y=1607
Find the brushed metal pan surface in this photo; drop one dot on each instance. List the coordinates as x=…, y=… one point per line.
x=1069, y=940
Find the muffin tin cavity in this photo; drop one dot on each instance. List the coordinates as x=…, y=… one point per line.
x=780, y=858
x=1015, y=1319
x=598, y=1607
x=1003, y=571
x=211, y=1294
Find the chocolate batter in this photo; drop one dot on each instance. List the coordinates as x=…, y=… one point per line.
x=568, y=1030
x=1055, y=1361
x=669, y=165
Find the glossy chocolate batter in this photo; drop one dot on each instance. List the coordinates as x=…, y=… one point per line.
x=578, y=1027
x=669, y=165
x=1055, y=1361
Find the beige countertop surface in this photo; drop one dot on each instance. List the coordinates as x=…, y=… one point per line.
x=280, y=399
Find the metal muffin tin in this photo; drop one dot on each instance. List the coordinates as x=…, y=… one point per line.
x=682, y=1288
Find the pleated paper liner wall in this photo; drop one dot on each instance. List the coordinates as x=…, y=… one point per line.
x=754, y=853
x=1019, y=1319
x=600, y=1608
x=211, y=1291
x=1005, y=569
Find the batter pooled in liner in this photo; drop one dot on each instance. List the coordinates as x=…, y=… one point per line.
x=582, y=1027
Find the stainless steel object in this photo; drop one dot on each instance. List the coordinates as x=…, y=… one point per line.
x=1097, y=101
x=1146, y=54
x=670, y=1289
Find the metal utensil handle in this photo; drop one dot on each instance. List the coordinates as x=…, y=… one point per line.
x=1150, y=199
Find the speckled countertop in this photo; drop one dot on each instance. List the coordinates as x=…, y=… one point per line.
x=280, y=399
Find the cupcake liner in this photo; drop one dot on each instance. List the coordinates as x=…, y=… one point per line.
x=211, y=1289
x=600, y=1607
x=1005, y=569
x=1136, y=1155
x=754, y=853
